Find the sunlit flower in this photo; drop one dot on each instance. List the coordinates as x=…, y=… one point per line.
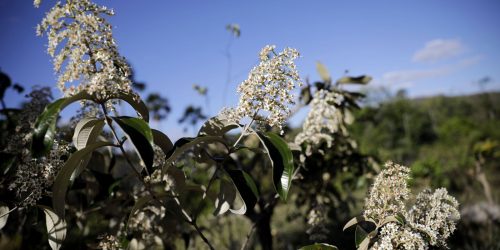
x=435, y=214
x=389, y=193
x=80, y=40
x=394, y=236
x=267, y=91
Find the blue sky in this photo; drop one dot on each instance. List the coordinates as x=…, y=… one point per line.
x=428, y=47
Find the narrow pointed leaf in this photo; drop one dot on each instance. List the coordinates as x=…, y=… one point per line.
x=56, y=228
x=45, y=126
x=63, y=178
x=282, y=161
x=139, y=133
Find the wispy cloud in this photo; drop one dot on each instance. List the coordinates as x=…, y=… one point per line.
x=438, y=49
x=407, y=78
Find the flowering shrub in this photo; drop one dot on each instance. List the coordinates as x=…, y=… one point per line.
x=114, y=179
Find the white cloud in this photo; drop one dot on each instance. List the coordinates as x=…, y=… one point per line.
x=407, y=78
x=438, y=49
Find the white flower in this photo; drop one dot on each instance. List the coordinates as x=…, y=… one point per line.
x=268, y=87
x=323, y=120
x=83, y=49
x=394, y=236
x=389, y=192
x=435, y=214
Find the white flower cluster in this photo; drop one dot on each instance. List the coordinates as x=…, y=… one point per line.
x=268, y=88
x=393, y=236
x=429, y=222
x=389, y=192
x=33, y=176
x=81, y=40
x=435, y=214
x=324, y=119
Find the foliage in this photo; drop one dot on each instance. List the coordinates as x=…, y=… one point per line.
x=110, y=181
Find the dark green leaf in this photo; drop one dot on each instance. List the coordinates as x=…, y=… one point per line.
x=45, y=126
x=282, y=161
x=162, y=141
x=138, y=131
x=135, y=102
x=244, y=184
x=319, y=246
x=360, y=235
x=401, y=218
x=63, y=178
x=226, y=196
x=184, y=144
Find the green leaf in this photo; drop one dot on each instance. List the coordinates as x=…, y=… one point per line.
x=401, y=218
x=357, y=220
x=184, y=144
x=63, y=178
x=282, y=161
x=323, y=72
x=360, y=235
x=355, y=79
x=389, y=219
x=319, y=246
x=162, y=141
x=246, y=188
x=138, y=131
x=56, y=228
x=226, y=196
x=135, y=102
x=4, y=214
x=45, y=126
x=87, y=131
x=217, y=126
